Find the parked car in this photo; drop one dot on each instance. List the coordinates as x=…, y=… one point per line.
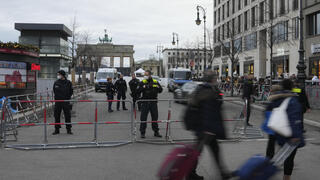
x=185, y=91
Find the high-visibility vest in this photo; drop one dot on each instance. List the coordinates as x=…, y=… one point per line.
x=297, y=90
x=155, y=83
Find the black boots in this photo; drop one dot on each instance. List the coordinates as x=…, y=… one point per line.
x=56, y=131
x=69, y=131
x=157, y=134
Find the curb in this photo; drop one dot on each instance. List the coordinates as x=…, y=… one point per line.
x=260, y=108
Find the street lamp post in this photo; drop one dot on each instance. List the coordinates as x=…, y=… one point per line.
x=176, y=35
x=301, y=66
x=198, y=22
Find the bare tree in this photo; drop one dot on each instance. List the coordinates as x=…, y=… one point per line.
x=83, y=50
x=230, y=48
x=73, y=41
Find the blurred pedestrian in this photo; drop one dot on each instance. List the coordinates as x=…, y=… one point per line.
x=294, y=113
x=315, y=80
x=150, y=88
x=208, y=121
x=247, y=93
x=110, y=92
x=62, y=89
x=121, y=87
x=133, y=84
x=303, y=99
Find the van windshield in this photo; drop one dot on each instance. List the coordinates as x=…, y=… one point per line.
x=104, y=75
x=182, y=75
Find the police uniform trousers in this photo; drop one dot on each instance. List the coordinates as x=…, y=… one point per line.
x=147, y=107
x=110, y=97
x=121, y=95
x=58, y=107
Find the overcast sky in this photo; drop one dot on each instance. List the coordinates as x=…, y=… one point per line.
x=142, y=23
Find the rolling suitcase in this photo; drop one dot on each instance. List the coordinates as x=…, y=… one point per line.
x=261, y=168
x=181, y=161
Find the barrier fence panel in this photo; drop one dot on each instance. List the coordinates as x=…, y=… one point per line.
x=92, y=127
x=313, y=94
x=172, y=126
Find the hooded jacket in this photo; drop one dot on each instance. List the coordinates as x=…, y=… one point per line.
x=294, y=112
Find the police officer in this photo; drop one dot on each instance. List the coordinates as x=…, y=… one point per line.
x=110, y=91
x=62, y=90
x=149, y=88
x=121, y=87
x=133, y=84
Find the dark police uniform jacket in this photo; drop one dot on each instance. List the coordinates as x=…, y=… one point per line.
x=150, y=88
x=62, y=89
x=121, y=86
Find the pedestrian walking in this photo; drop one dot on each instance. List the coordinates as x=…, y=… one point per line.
x=247, y=93
x=110, y=91
x=121, y=87
x=204, y=114
x=133, y=84
x=62, y=89
x=150, y=88
x=303, y=99
x=294, y=114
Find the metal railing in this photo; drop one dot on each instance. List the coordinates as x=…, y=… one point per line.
x=240, y=129
x=6, y=122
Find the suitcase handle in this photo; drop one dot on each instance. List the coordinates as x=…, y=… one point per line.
x=284, y=153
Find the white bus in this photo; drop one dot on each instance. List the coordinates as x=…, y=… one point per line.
x=101, y=77
x=177, y=77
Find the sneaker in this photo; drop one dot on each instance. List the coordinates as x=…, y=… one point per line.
x=110, y=110
x=69, y=131
x=125, y=109
x=143, y=136
x=157, y=134
x=194, y=176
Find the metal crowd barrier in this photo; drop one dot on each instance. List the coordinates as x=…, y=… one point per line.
x=29, y=112
x=240, y=130
x=46, y=145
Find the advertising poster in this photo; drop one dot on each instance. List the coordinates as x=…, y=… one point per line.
x=13, y=75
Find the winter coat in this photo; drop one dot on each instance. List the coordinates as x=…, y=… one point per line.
x=208, y=99
x=294, y=112
x=247, y=89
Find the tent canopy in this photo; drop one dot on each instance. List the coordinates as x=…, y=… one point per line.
x=140, y=71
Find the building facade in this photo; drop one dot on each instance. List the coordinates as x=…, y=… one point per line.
x=105, y=54
x=192, y=59
x=251, y=28
x=153, y=65
x=52, y=40
x=312, y=37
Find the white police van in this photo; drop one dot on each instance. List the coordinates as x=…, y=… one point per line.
x=177, y=77
x=101, y=77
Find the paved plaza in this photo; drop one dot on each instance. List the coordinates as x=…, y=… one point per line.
x=138, y=160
